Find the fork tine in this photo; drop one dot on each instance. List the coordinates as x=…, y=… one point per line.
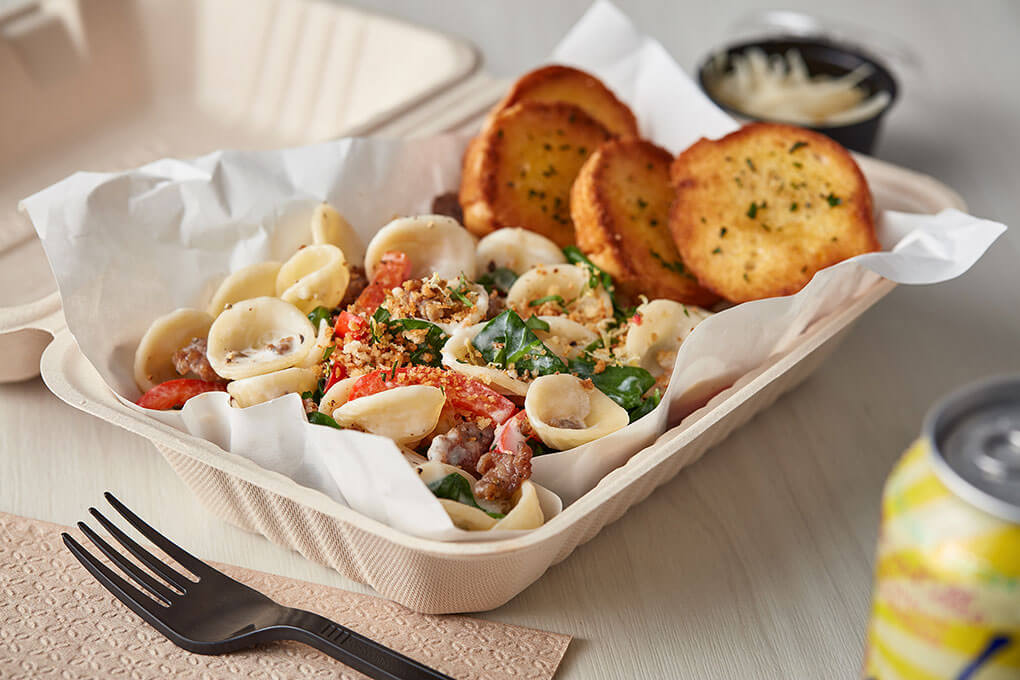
x=139, y=603
x=127, y=566
x=167, y=573
x=184, y=558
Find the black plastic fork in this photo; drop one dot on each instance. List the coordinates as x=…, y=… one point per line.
x=216, y=614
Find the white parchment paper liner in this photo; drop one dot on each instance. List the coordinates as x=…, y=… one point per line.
x=128, y=247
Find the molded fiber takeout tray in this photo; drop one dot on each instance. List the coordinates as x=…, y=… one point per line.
x=439, y=577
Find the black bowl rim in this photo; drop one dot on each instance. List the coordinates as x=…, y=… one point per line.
x=826, y=43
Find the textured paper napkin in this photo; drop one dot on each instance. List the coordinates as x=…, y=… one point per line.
x=56, y=621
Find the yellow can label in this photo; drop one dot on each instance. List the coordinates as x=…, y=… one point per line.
x=946, y=603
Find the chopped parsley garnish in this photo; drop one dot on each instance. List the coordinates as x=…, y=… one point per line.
x=558, y=299
x=722, y=232
x=797, y=145
x=642, y=203
x=458, y=292
x=833, y=200
x=677, y=266
x=750, y=164
x=793, y=207
x=536, y=324
x=752, y=210
x=717, y=250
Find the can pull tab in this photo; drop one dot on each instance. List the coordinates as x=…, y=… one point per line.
x=999, y=455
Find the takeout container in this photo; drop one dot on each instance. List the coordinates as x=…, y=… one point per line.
x=440, y=577
x=822, y=57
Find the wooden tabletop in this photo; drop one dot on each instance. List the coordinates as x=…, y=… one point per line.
x=756, y=561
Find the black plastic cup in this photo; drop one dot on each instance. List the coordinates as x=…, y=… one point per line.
x=821, y=57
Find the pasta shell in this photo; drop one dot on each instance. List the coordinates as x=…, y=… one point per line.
x=253, y=281
x=322, y=340
x=167, y=334
x=467, y=518
x=565, y=412
x=259, y=336
x=567, y=339
x=527, y=511
x=404, y=414
x=259, y=388
x=475, y=314
x=459, y=355
x=434, y=244
x=568, y=281
x=336, y=395
x=315, y=276
x=330, y=228
x=654, y=342
x=517, y=250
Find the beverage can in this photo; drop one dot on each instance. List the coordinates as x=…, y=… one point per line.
x=946, y=600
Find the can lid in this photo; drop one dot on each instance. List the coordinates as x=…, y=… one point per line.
x=975, y=437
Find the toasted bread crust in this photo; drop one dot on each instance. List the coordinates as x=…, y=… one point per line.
x=562, y=83
x=518, y=172
x=759, y=211
x=620, y=207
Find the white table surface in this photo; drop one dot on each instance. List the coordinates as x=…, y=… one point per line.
x=755, y=562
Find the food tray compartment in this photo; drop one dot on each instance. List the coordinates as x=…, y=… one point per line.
x=437, y=577
x=97, y=85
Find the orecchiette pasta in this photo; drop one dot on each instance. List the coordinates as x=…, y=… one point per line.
x=418, y=407
x=526, y=511
x=566, y=412
x=330, y=228
x=478, y=310
x=459, y=355
x=566, y=338
x=517, y=250
x=568, y=284
x=259, y=388
x=436, y=244
x=315, y=276
x=257, y=280
x=336, y=395
x=323, y=338
x=259, y=336
x=417, y=354
x=653, y=343
x=167, y=334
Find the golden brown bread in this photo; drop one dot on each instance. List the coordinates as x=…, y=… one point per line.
x=519, y=170
x=759, y=211
x=565, y=84
x=620, y=207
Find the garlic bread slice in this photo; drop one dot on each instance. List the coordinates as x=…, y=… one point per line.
x=759, y=211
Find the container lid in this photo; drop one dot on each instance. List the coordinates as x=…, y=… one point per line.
x=975, y=436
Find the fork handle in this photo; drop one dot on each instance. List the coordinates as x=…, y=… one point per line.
x=355, y=650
